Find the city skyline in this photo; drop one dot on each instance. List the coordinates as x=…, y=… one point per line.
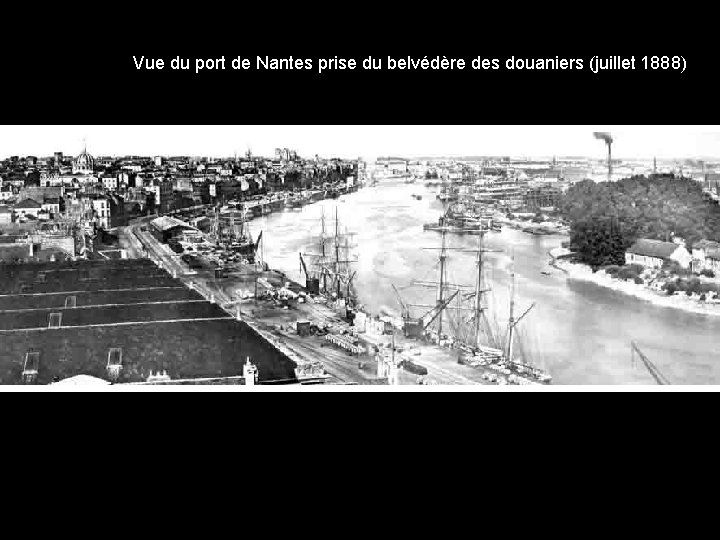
x=367, y=142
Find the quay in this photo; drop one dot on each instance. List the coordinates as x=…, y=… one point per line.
x=346, y=357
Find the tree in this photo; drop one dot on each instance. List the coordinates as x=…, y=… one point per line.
x=606, y=218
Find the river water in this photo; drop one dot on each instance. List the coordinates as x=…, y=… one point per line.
x=578, y=331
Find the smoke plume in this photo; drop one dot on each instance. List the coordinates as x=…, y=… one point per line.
x=603, y=136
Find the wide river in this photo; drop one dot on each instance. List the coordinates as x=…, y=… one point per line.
x=578, y=331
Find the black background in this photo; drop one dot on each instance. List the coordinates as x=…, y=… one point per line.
x=76, y=66
x=73, y=65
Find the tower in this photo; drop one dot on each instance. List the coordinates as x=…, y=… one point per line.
x=84, y=163
x=250, y=373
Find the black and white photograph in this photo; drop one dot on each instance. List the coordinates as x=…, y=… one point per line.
x=359, y=257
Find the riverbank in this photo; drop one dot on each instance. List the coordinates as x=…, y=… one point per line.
x=679, y=300
x=543, y=228
x=568, y=317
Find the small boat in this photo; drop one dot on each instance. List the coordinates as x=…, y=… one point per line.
x=452, y=229
x=296, y=203
x=412, y=367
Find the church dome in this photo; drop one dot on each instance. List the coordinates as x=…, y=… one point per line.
x=84, y=163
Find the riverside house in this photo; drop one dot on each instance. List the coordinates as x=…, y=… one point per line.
x=706, y=256
x=653, y=253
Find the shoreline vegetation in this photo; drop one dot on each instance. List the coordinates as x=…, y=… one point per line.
x=648, y=286
x=607, y=218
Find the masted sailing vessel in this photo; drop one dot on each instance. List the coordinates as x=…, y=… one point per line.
x=231, y=232
x=472, y=332
x=327, y=267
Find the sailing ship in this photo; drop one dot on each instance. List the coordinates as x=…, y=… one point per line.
x=327, y=267
x=232, y=233
x=464, y=218
x=472, y=332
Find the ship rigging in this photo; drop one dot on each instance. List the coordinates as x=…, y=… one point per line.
x=474, y=335
x=235, y=235
x=327, y=269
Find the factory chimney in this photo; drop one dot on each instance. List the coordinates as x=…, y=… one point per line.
x=604, y=136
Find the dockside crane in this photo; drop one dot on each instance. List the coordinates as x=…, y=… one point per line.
x=303, y=267
x=258, y=253
x=405, y=310
x=652, y=368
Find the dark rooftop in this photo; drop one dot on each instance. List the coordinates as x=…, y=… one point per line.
x=28, y=203
x=653, y=248
x=80, y=316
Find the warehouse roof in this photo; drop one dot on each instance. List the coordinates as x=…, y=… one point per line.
x=127, y=274
x=9, y=253
x=166, y=223
x=84, y=317
x=706, y=244
x=28, y=203
x=653, y=248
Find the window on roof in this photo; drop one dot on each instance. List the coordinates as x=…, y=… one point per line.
x=71, y=302
x=114, y=364
x=32, y=361
x=55, y=320
x=31, y=366
x=40, y=278
x=115, y=357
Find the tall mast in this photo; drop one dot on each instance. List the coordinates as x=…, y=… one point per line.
x=511, y=323
x=441, y=285
x=478, y=289
x=481, y=323
x=346, y=254
x=322, y=249
x=337, y=253
x=244, y=234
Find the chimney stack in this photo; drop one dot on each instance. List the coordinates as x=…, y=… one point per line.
x=608, y=139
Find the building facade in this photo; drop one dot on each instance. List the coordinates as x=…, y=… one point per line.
x=654, y=253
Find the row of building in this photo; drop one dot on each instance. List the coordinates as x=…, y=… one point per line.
x=704, y=255
x=112, y=190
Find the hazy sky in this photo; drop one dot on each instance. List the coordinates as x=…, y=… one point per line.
x=362, y=141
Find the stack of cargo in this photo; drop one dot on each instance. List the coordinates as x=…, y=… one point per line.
x=344, y=342
x=303, y=328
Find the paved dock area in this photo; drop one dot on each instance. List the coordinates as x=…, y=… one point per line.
x=277, y=323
